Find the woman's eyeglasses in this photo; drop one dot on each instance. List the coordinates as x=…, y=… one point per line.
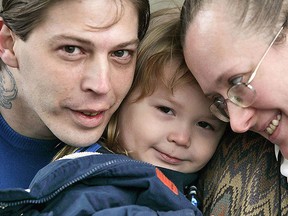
x=240, y=94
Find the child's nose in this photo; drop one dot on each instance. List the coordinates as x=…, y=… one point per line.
x=180, y=137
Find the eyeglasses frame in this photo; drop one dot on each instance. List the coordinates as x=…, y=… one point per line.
x=252, y=76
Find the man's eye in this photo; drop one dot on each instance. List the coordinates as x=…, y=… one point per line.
x=205, y=125
x=72, y=50
x=166, y=110
x=121, y=53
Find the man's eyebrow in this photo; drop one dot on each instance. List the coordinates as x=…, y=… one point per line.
x=128, y=43
x=89, y=43
x=71, y=38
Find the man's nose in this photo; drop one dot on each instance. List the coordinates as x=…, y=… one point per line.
x=97, y=78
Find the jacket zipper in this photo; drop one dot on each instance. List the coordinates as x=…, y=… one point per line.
x=4, y=205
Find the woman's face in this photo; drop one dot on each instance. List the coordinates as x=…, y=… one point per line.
x=216, y=55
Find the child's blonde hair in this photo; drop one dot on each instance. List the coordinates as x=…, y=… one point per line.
x=160, y=45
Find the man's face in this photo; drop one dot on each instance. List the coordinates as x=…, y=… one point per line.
x=75, y=69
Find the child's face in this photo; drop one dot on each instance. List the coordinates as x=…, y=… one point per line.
x=174, y=131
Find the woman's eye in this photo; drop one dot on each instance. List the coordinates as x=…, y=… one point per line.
x=205, y=125
x=218, y=99
x=72, y=50
x=166, y=110
x=236, y=80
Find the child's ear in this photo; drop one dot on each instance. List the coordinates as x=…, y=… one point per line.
x=6, y=45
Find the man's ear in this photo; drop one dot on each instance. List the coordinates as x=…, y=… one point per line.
x=6, y=45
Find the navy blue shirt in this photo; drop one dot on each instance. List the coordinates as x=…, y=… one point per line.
x=21, y=157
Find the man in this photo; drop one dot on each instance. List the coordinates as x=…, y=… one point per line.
x=62, y=76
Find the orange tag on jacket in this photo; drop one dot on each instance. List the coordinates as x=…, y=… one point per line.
x=166, y=181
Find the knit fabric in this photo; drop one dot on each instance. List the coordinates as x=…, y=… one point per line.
x=21, y=157
x=243, y=178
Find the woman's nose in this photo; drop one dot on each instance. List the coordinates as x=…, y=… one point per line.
x=240, y=118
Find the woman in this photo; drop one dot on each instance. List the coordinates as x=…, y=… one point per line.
x=237, y=51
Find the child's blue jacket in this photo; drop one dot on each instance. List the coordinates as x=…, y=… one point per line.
x=99, y=185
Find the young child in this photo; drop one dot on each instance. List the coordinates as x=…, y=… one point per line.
x=165, y=121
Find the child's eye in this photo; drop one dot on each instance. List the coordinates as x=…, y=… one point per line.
x=166, y=110
x=205, y=125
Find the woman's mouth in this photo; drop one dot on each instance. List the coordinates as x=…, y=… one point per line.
x=90, y=113
x=273, y=125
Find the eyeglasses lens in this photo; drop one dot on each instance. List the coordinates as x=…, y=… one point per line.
x=242, y=95
x=219, y=109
